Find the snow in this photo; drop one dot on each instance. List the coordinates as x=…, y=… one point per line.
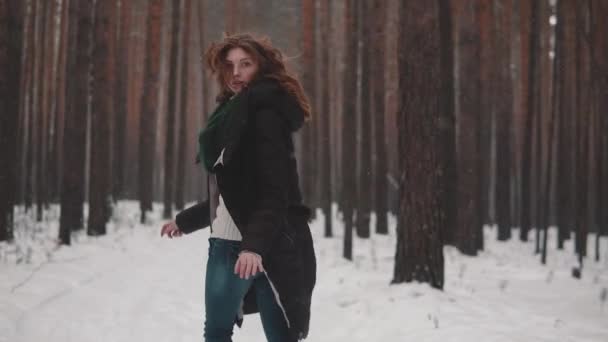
x=133, y=285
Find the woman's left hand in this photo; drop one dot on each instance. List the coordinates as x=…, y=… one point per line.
x=248, y=264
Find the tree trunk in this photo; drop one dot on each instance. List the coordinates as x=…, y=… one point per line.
x=419, y=253
x=553, y=124
x=469, y=223
x=599, y=11
x=74, y=138
x=231, y=10
x=121, y=109
x=171, y=111
x=60, y=100
x=102, y=106
x=308, y=82
x=29, y=104
x=531, y=112
x=364, y=183
x=149, y=104
x=583, y=107
x=38, y=108
x=26, y=72
x=503, y=119
x=378, y=85
x=349, y=181
x=488, y=58
x=11, y=40
x=324, y=116
x=183, y=126
x=567, y=118
x=448, y=119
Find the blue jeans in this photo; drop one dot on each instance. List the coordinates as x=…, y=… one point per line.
x=224, y=291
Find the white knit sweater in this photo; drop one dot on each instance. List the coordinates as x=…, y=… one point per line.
x=223, y=225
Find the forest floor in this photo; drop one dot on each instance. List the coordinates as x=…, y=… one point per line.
x=132, y=285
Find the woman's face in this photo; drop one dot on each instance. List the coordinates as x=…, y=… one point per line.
x=241, y=68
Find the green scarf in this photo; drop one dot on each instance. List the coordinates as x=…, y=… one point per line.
x=209, y=138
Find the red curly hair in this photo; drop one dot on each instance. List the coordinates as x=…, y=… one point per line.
x=268, y=58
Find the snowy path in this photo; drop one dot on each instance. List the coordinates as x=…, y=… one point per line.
x=134, y=286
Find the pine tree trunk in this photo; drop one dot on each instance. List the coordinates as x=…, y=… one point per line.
x=47, y=96
x=102, y=106
x=308, y=82
x=582, y=142
x=552, y=127
x=503, y=119
x=378, y=85
x=419, y=255
x=231, y=8
x=364, y=183
x=60, y=98
x=39, y=110
x=566, y=115
x=149, y=104
x=22, y=144
x=121, y=109
x=469, y=223
x=74, y=137
x=599, y=27
x=531, y=112
x=599, y=46
x=11, y=40
x=171, y=111
x=28, y=106
x=349, y=181
x=448, y=119
x=324, y=118
x=183, y=126
x=488, y=58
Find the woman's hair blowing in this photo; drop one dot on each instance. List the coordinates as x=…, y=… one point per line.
x=270, y=65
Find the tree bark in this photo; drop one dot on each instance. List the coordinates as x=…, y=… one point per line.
x=11, y=40
x=488, y=57
x=121, y=109
x=308, y=82
x=419, y=254
x=102, y=106
x=531, y=112
x=364, y=183
x=171, y=111
x=74, y=138
x=349, y=181
x=470, y=219
x=583, y=107
x=149, y=104
x=324, y=116
x=183, y=126
x=378, y=85
x=504, y=113
x=39, y=110
x=448, y=119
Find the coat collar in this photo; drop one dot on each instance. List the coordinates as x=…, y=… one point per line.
x=263, y=92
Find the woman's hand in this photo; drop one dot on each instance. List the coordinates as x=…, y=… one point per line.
x=248, y=264
x=171, y=229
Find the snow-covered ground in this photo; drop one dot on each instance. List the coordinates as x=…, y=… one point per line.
x=132, y=285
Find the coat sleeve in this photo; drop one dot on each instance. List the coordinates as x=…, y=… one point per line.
x=268, y=213
x=193, y=218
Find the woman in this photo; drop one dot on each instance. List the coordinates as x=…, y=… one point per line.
x=261, y=254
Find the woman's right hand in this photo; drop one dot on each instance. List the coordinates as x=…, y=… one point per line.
x=171, y=229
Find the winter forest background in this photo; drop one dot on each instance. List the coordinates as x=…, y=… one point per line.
x=457, y=160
